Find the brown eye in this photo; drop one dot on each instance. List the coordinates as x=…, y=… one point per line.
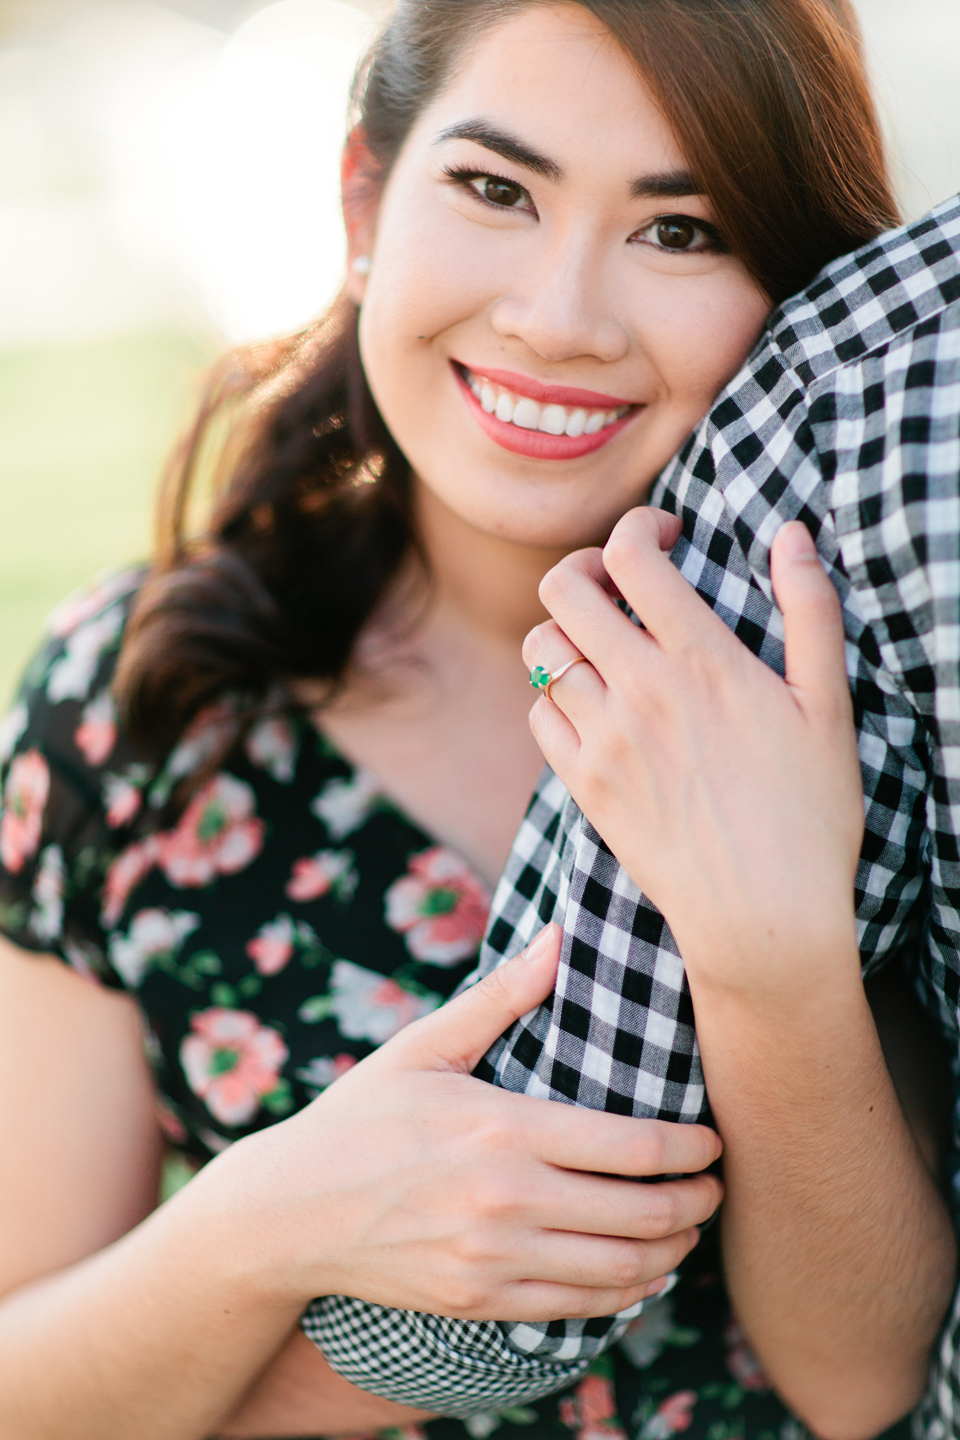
x=676, y=234
x=501, y=192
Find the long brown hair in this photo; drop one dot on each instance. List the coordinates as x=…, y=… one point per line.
x=312, y=515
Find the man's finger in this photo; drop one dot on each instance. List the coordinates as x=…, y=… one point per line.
x=457, y=1036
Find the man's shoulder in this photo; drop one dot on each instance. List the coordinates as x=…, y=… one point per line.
x=862, y=302
x=900, y=293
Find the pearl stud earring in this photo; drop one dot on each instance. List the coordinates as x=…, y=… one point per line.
x=361, y=265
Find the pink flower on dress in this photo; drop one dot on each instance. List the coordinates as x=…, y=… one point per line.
x=321, y=1072
x=272, y=744
x=670, y=1418
x=126, y=872
x=315, y=875
x=592, y=1410
x=369, y=1006
x=271, y=947
x=439, y=906
x=217, y=834
x=46, y=922
x=96, y=734
x=741, y=1361
x=122, y=798
x=231, y=1061
x=28, y=785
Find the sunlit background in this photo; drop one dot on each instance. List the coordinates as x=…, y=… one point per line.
x=168, y=184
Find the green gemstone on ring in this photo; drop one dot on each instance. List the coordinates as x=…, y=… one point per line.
x=539, y=678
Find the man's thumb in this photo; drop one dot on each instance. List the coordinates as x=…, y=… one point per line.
x=457, y=1036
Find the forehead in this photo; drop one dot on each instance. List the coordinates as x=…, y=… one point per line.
x=556, y=76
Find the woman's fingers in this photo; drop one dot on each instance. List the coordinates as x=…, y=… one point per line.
x=457, y=1036
x=600, y=1205
x=596, y=1262
x=575, y=1138
x=537, y=1300
x=579, y=691
x=637, y=558
x=576, y=592
x=812, y=620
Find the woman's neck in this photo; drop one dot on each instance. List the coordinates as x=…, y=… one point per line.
x=484, y=583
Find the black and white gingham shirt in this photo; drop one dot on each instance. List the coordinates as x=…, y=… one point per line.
x=847, y=417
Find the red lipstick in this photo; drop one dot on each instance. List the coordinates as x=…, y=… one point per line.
x=537, y=444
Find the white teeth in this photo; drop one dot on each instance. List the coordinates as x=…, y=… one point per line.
x=528, y=415
x=553, y=419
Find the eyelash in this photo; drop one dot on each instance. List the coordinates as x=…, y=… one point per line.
x=464, y=176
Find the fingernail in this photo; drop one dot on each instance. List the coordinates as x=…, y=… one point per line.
x=537, y=947
x=694, y=1236
x=797, y=542
x=656, y=1286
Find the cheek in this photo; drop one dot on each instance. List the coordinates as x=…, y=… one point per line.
x=431, y=272
x=705, y=337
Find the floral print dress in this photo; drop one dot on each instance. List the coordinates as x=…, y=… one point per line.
x=275, y=929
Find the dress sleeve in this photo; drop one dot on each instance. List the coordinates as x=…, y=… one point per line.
x=67, y=785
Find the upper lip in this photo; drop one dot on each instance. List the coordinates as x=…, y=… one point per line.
x=547, y=394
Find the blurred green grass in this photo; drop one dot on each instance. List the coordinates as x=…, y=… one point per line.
x=84, y=431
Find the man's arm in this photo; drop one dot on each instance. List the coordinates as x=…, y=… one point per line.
x=734, y=800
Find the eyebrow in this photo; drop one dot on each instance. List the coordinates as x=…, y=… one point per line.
x=503, y=144
x=672, y=185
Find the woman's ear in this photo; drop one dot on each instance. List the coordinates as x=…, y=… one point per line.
x=360, y=195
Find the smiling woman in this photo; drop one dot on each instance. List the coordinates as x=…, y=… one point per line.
x=273, y=780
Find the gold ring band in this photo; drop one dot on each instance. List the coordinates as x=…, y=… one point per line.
x=560, y=673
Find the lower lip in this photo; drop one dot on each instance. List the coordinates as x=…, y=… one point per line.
x=535, y=443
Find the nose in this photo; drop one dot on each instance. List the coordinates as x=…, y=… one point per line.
x=559, y=305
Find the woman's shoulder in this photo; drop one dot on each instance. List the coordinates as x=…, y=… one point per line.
x=66, y=773
x=78, y=655
x=64, y=710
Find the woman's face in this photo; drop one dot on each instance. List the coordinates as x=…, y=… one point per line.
x=549, y=310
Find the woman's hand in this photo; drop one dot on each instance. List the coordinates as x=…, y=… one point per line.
x=732, y=797
x=410, y=1183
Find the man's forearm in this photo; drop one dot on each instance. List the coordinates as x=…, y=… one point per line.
x=840, y=1254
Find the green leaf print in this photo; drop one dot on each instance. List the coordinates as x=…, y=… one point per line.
x=279, y=1101
x=315, y=1009
x=224, y=995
